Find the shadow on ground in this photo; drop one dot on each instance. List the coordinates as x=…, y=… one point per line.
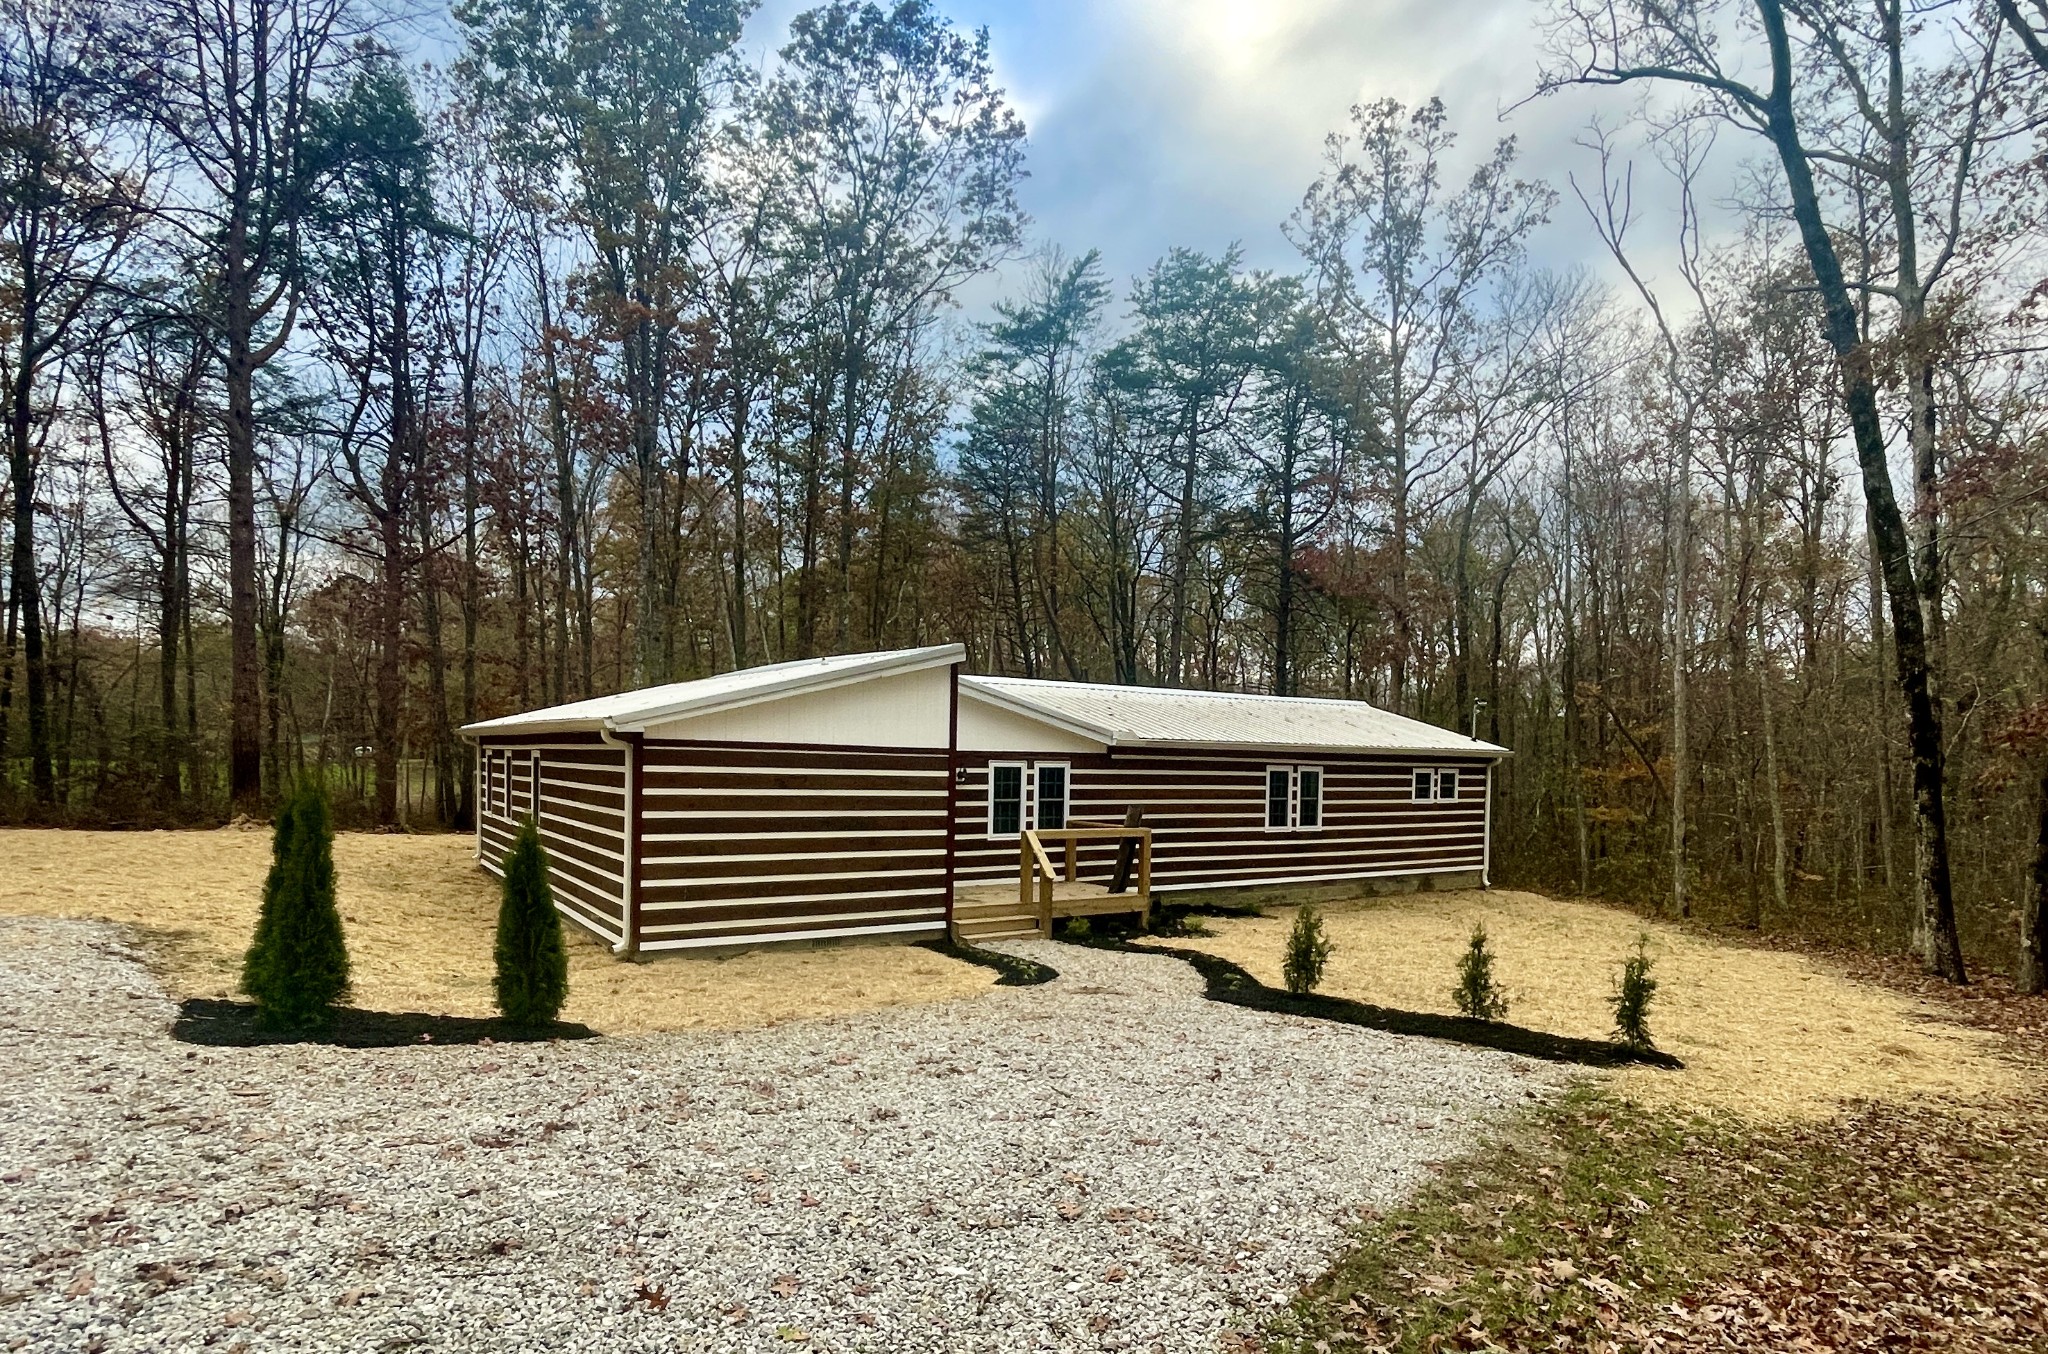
x=234, y=1024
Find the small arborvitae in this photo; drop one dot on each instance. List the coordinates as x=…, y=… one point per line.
x=297, y=965
x=1478, y=995
x=1632, y=995
x=533, y=967
x=1308, y=950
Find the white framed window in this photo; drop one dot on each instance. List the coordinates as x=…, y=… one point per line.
x=1279, y=798
x=1294, y=798
x=1005, y=799
x=1049, y=809
x=1447, y=782
x=1308, y=796
x=1425, y=784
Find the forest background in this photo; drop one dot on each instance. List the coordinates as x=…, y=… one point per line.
x=369, y=371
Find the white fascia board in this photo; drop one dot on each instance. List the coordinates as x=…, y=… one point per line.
x=1003, y=700
x=913, y=660
x=1477, y=749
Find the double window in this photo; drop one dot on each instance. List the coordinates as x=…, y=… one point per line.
x=1027, y=794
x=1294, y=798
x=1433, y=783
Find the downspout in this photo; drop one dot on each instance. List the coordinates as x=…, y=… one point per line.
x=476, y=790
x=952, y=787
x=1486, y=856
x=629, y=889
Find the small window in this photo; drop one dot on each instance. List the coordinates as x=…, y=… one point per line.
x=1052, y=796
x=1447, y=783
x=1005, y=799
x=1425, y=785
x=1279, y=786
x=1309, y=796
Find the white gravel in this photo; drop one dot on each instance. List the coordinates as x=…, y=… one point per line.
x=1107, y=1162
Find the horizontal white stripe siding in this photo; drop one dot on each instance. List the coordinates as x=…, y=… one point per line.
x=934, y=927
x=786, y=872
x=1207, y=813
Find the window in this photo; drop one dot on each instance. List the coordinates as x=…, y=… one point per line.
x=1052, y=796
x=1279, y=797
x=1005, y=799
x=1425, y=785
x=1294, y=797
x=1447, y=783
x=1308, y=796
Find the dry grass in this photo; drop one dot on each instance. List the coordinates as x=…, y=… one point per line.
x=1768, y=1034
x=419, y=917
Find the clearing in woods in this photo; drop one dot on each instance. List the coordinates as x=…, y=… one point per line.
x=1771, y=1035
x=420, y=918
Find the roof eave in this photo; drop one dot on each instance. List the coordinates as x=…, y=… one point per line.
x=1002, y=700
x=895, y=665
x=1487, y=751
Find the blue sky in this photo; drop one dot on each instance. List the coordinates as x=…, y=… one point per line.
x=1156, y=123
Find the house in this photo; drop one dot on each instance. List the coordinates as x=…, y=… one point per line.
x=888, y=795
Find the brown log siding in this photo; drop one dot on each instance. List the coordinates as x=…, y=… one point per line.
x=1207, y=812
x=581, y=816
x=743, y=843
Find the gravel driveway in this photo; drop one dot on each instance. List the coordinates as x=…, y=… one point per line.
x=1107, y=1162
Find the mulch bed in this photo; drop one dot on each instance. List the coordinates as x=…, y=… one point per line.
x=234, y=1024
x=1228, y=982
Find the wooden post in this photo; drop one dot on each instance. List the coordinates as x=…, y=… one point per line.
x=1145, y=876
x=1072, y=847
x=1120, y=879
x=1023, y=870
x=1045, y=907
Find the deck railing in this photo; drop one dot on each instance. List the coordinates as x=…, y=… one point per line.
x=1035, y=869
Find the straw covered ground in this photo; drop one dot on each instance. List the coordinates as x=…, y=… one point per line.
x=1768, y=1034
x=419, y=916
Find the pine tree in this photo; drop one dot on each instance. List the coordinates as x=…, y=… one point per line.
x=297, y=966
x=1632, y=995
x=1308, y=949
x=533, y=967
x=1478, y=995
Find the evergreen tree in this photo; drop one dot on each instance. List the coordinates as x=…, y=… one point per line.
x=533, y=967
x=1308, y=950
x=1632, y=995
x=297, y=965
x=1478, y=995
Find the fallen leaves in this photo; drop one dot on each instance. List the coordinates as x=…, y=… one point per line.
x=1613, y=1229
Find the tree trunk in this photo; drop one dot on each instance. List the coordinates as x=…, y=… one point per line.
x=26, y=587
x=1935, y=937
x=2032, y=976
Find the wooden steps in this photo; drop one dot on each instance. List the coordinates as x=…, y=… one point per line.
x=998, y=918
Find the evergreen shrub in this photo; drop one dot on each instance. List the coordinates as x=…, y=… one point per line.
x=297, y=966
x=533, y=966
x=1308, y=950
x=1478, y=993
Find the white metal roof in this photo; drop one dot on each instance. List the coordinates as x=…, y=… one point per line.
x=631, y=711
x=1121, y=716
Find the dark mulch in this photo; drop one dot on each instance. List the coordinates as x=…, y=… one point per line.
x=1228, y=982
x=234, y=1024
x=1015, y=970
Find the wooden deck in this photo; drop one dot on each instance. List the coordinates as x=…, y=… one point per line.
x=993, y=912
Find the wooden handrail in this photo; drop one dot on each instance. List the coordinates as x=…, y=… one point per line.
x=1034, y=864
